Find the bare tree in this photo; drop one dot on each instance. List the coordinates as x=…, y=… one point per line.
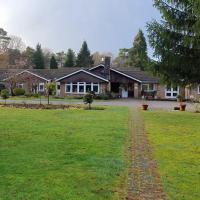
x=16, y=43
x=4, y=41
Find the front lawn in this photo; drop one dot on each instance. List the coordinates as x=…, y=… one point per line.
x=175, y=137
x=62, y=154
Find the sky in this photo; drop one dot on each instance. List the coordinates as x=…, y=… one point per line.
x=106, y=25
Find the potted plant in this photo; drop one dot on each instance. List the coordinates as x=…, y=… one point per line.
x=180, y=100
x=144, y=104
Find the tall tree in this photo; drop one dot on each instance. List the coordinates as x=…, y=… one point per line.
x=29, y=55
x=4, y=41
x=70, y=59
x=38, y=58
x=84, y=58
x=53, y=63
x=137, y=55
x=176, y=41
x=122, y=60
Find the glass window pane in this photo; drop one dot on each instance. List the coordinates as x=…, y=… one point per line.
x=144, y=87
x=88, y=87
x=68, y=88
x=168, y=94
x=74, y=88
x=81, y=88
x=95, y=88
x=150, y=86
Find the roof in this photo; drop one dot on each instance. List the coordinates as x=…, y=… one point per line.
x=6, y=73
x=137, y=74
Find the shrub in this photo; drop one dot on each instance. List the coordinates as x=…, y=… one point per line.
x=88, y=99
x=5, y=94
x=2, y=87
x=105, y=96
x=19, y=91
x=36, y=95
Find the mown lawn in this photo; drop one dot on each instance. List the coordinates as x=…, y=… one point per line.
x=175, y=137
x=62, y=154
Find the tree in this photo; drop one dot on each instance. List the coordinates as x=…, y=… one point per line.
x=38, y=57
x=88, y=99
x=122, y=59
x=4, y=41
x=137, y=55
x=5, y=94
x=53, y=63
x=16, y=43
x=29, y=54
x=47, y=53
x=84, y=58
x=98, y=58
x=70, y=59
x=175, y=41
x=50, y=89
x=61, y=57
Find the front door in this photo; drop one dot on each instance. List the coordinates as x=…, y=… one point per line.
x=124, y=93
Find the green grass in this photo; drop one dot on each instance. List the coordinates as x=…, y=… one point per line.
x=175, y=137
x=61, y=155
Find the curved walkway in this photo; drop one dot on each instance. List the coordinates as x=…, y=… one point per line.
x=144, y=182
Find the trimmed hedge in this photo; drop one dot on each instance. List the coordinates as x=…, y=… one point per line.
x=19, y=91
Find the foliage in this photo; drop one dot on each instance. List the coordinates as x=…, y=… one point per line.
x=175, y=140
x=5, y=94
x=53, y=154
x=122, y=59
x=53, y=63
x=50, y=89
x=84, y=59
x=88, y=99
x=38, y=57
x=18, y=91
x=70, y=59
x=137, y=55
x=2, y=86
x=176, y=41
x=29, y=54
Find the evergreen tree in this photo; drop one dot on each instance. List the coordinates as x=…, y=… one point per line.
x=84, y=58
x=53, y=63
x=38, y=58
x=70, y=59
x=176, y=41
x=137, y=55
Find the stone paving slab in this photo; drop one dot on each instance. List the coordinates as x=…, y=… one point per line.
x=144, y=182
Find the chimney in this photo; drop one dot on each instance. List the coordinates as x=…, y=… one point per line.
x=107, y=67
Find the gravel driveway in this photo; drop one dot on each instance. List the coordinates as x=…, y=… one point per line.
x=132, y=103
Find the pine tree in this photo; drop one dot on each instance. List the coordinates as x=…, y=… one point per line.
x=38, y=58
x=84, y=58
x=70, y=59
x=137, y=55
x=53, y=63
x=176, y=41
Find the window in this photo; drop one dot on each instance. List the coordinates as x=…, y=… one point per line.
x=148, y=87
x=171, y=91
x=20, y=85
x=68, y=88
x=198, y=89
x=95, y=88
x=81, y=87
x=41, y=87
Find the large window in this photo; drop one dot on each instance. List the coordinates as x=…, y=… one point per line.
x=81, y=87
x=171, y=91
x=148, y=87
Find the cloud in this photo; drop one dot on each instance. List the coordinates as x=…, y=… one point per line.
x=61, y=24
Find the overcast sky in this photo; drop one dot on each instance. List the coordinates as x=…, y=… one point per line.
x=107, y=25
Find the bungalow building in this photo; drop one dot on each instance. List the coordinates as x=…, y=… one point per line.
x=122, y=82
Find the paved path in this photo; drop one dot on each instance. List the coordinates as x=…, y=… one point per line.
x=132, y=103
x=144, y=182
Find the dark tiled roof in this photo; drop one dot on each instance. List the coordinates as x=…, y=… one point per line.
x=142, y=76
x=52, y=74
x=5, y=73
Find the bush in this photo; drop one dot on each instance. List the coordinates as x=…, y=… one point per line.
x=2, y=87
x=28, y=95
x=88, y=99
x=5, y=94
x=36, y=95
x=105, y=96
x=19, y=91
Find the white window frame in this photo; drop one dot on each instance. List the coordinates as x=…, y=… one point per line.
x=172, y=91
x=41, y=84
x=68, y=84
x=148, y=86
x=20, y=85
x=81, y=84
x=198, y=89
